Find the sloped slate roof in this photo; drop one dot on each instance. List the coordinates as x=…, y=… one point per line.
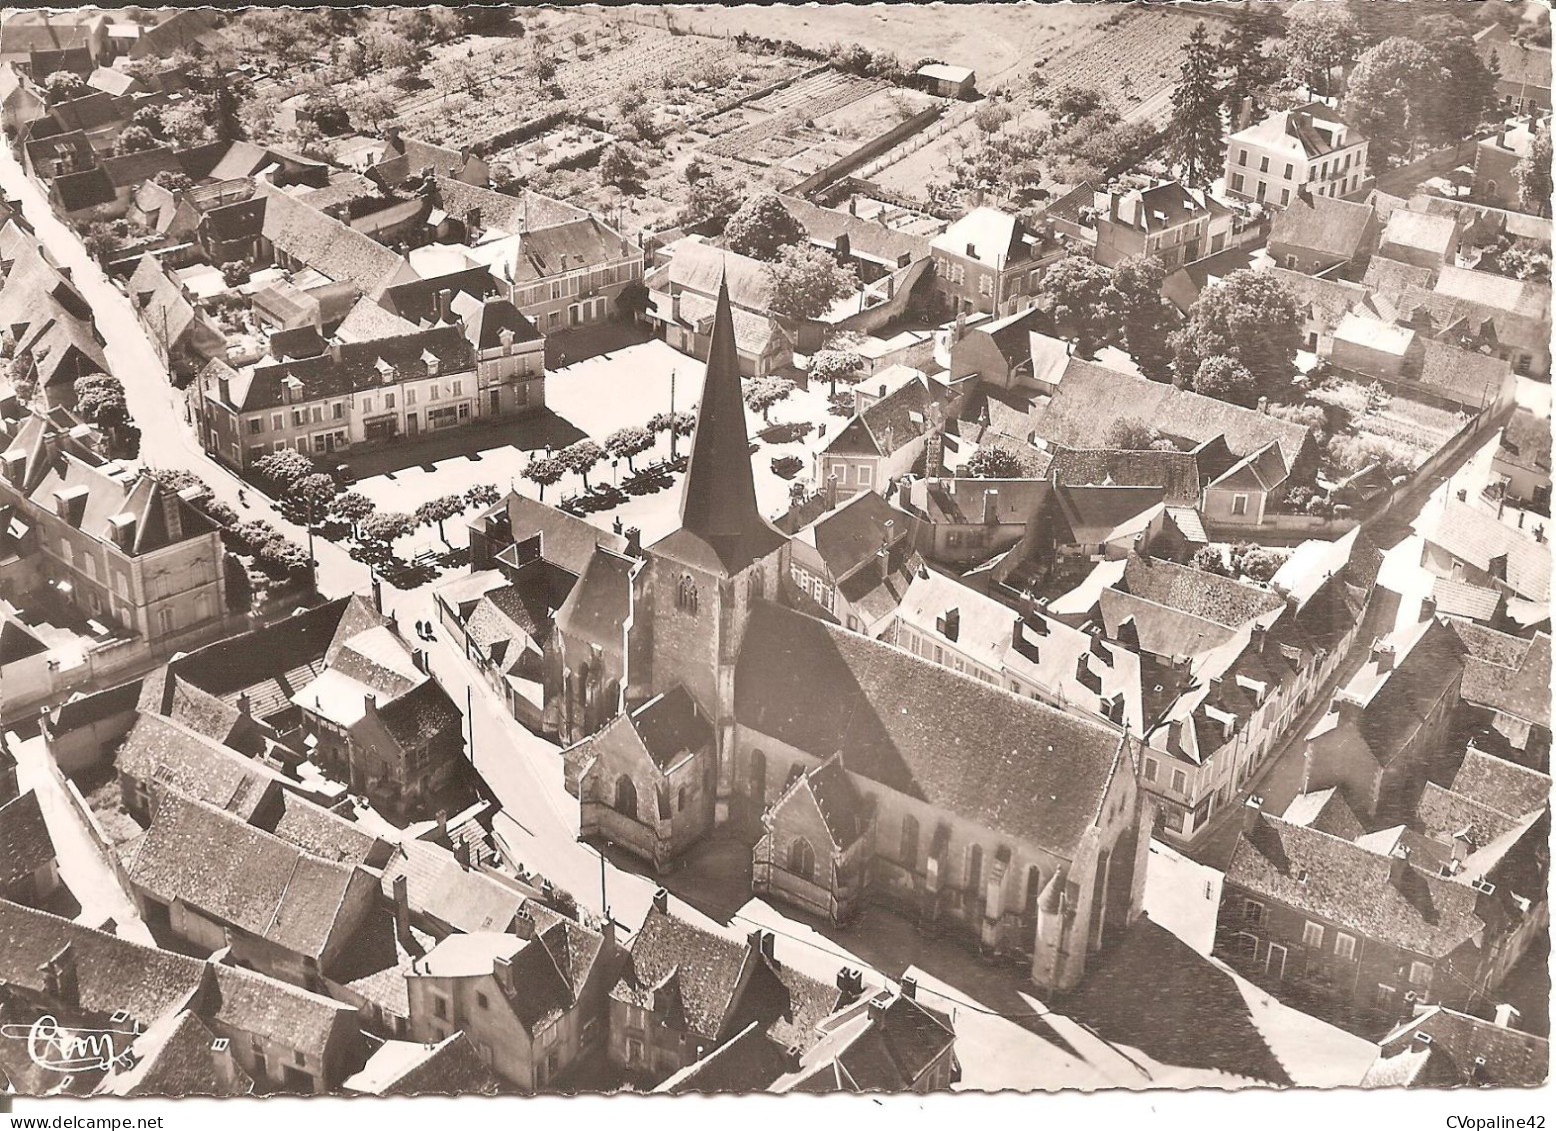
x=1323, y=224
x=1350, y=886
x=249, y=878
x=25, y=844
x=1504, y=786
x=709, y=967
x=1221, y=600
x=1012, y=765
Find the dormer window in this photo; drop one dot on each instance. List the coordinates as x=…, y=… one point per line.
x=430, y=360
x=385, y=370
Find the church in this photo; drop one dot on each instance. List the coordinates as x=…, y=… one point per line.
x=697, y=693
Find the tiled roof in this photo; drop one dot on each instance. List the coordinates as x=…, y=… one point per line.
x=1517, y=63
x=1523, y=693
x=359, y=365
x=1350, y=886
x=566, y=540
x=1477, y=537
x=409, y=1068
x=330, y=247
x=1442, y=815
x=421, y=714
x=228, y=869
x=670, y=725
x=161, y=750
x=319, y=832
x=1220, y=600
x=514, y=214
x=1504, y=786
x=747, y=1062
x=854, y=533
x=1015, y=766
x=1084, y=408
x=467, y=899
x=1526, y=441
x=709, y=966
x=1326, y=301
x=1393, y=277
x=837, y=800
x=1515, y=296
x=889, y=424
x=1176, y=473
x=1324, y=224
x=1440, y=313
x=1488, y=646
x=116, y=974
x=1461, y=599
x=1419, y=231
x=1479, y=1052
x=571, y=246
x=700, y=268
x=25, y=844
x=866, y=238
x=1162, y=631
x=176, y=1057
x=599, y=604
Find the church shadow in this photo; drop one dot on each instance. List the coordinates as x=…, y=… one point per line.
x=1151, y=991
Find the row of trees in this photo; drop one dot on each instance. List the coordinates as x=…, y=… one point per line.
x=1092, y=305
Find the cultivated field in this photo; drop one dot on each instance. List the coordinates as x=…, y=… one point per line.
x=1134, y=61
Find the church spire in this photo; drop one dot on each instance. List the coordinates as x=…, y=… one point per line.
x=719, y=503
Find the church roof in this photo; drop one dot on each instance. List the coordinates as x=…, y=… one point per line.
x=721, y=529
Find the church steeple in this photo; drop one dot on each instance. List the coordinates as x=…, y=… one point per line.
x=718, y=507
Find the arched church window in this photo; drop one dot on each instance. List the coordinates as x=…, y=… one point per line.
x=686, y=594
x=802, y=859
x=626, y=797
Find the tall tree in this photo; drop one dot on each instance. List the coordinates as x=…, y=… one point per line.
x=1533, y=174
x=1249, y=316
x=1392, y=95
x=1194, y=139
x=1251, y=70
x=806, y=282
x=1072, y=291
x=1468, y=89
x=761, y=227
x=1319, y=39
x=1133, y=298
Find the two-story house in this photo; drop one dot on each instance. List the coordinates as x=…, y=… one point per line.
x=886, y=439
x=115, y=544
x=1272, y=159
x=570, y=274
x=989, y=261
x=1387, y=729
x=1521, y=464
x=1170, y=221
x=375, y=717
x=531, y=1001
x=1323, y=235
x=1369, y=933
x=856, y=562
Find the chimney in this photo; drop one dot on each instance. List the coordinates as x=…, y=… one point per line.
x=853, y=204
x=950, y=625
x=768, y=940
x=419, y=658
x=850, y=986
x=1506, y=1016
x=1461, y=850
x=1383, y=655
x=972, y=251
x=243, y=703
x=831, y=491
x=634, y=538
x=909, y=987
x=60, y=980
x=369, y=703
x=402, y=911
x=443, y=825
x=524, y=923
x=463, y=851
x=224, y=389
x=991, y=506
x=662, y=901
x=1244, y=113
x=1252, y=809
x=1428, y=607
x=172, y=516
x=445, y=305
x=1399, y=865
x=378, y=593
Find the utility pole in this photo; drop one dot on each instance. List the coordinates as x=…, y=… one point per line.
x=672, y=416
x=470, y=722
